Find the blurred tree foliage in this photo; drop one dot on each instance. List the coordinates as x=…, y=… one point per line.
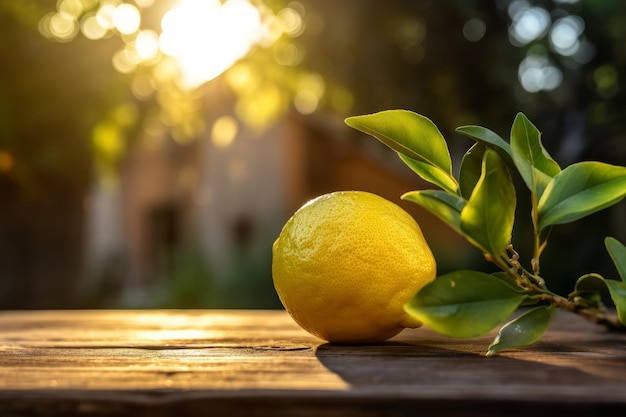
x=51, y=96
x=64, y=109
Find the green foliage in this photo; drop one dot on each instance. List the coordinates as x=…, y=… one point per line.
x=523, y=330
x=471, y=168
x=617, y=251
x=532, y=161
x=465, y=303
x=489, y=139
x=594, y=283
x=481, y=205
x=446, y=206
x=416, y=138
x=487, y=218
x=579, y=190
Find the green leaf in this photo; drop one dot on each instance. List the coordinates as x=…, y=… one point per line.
x=522, y=331
x=409, y=134
x=506, y=278
x=487, y=218
x=588, y=291
x=591, y=283
x=464, y=303
x=617, y=251
x=532, y=160
x=579, y=190
x=471, y=167
x=432, y=174
x=617, y=290
x=531, y=299
x=445, y=206
x=489, y=139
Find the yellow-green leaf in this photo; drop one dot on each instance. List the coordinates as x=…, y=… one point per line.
x=431, y=173
x=445, y=206
x=487, y=218
x=410, y=134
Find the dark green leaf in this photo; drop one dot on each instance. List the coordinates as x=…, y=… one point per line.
x=588, y=291
x=532, y=160
x=591, y=283
x=507, y=279
x=589, y=299
x=490, y=139
x=471, y=167
x=522, y=331
x=579, y=190
x=618, y=254
x=487, y=218
x=409, y=134
x=464, y=303
x=431, y=173
x=445, y=206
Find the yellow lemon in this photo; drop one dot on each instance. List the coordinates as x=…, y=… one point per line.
x=345, y=264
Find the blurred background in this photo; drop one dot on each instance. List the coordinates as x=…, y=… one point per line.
x=150, y=151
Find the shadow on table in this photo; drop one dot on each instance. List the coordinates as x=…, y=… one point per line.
x=464, y=382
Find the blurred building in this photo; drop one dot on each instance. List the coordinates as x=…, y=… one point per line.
x=232, y=196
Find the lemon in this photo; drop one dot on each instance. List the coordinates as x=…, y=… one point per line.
x=345, y=264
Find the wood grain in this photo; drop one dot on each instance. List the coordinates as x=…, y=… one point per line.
x=157, y=363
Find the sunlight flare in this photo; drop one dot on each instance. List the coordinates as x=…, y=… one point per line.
x=207, y=37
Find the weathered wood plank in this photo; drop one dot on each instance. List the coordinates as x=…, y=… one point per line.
x=262, y=363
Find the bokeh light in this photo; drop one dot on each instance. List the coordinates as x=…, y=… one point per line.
x=474, y=29
x=147, y=45
x=564, y=34
x=529, y=23
x=126, y=19
x=310, y=91
x=188, y=43
x=537, y=73
x=224, y=131
x=290, y=21
x=91, y=28
x=553, y=41
x=105, y=16
x=6, y=161
x=606, y=79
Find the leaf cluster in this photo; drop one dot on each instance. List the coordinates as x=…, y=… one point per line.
x=480, y=205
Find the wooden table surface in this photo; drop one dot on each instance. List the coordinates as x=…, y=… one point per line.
x=258, y=363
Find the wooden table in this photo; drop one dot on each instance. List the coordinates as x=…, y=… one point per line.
x=259, y=363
